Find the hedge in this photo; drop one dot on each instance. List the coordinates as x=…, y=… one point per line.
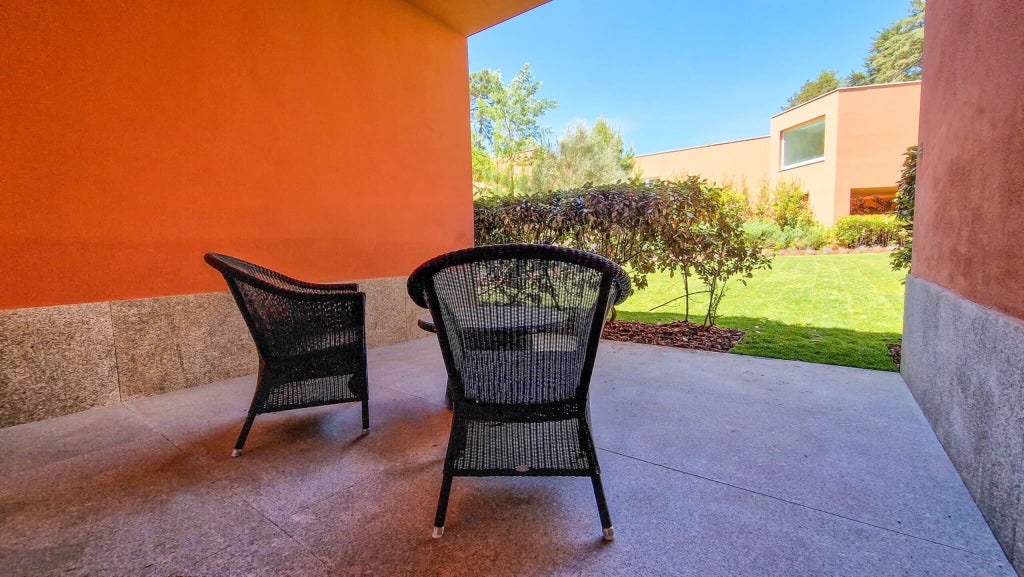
x=687, y=226
x=867, y=230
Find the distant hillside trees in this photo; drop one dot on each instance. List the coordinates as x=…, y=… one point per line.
x=510, y=154
x=505, y=125
x=826, y=82
x=583, y=155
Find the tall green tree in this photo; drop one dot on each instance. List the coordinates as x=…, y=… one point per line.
x=826, y=82
x=857, y=78
x=505, y=124
x=895, y=54
x=584, y=155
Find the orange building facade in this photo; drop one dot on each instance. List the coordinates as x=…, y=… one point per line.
x=740, y=162
x=328, y=140
x=324, y=139
x=844, y=147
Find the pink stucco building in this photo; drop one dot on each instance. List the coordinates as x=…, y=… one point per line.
x=843, y=146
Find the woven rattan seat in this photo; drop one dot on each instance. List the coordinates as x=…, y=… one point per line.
x=311, y=339
x=519, y=327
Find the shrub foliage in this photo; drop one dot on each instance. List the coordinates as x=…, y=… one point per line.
x=905, y=192
x=774, y=237
x=687, y=226
x=867, y=230
x=784, y=202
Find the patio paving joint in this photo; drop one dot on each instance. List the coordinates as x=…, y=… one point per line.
x=149, y=426
x=313, y=503
x=408, y=394
x=802, y=505
x=327, y=564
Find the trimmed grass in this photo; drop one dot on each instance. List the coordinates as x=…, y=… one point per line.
x=838, y=309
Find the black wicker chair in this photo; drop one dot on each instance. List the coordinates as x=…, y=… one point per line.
x=311, y=340
x=519, y=327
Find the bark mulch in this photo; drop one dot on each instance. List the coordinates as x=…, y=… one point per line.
x=895, y=352
x=679, y=334
x=686, y=335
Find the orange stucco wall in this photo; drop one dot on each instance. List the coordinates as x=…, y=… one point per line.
x=326, y=139
x=876, y=126
x=970, y=188
x=819, y=178
x=740, y=161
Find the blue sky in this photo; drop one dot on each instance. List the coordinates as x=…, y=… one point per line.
x=672, y=74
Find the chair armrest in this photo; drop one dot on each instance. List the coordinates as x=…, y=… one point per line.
x=319, y=293
x=344, y=286
x=621, y=287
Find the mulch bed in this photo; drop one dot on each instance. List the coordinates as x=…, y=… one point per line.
x=679, y=334
x=686, y=335
x=895, y=353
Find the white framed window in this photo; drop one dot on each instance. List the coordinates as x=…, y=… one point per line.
x=803, y=144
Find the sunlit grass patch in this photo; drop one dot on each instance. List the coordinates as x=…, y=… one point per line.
x=839, y=309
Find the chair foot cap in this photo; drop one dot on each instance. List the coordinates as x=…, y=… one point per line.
x=609, y=533
x=365, y=432
x=236, y=453
x=438, y=531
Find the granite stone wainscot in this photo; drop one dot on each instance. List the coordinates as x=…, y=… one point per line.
x=64, y=359
x=964, y=363
x=55, y=360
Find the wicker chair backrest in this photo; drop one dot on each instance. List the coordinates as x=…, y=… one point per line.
x=519, y=324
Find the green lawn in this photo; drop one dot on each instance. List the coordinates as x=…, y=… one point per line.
x=838, y=309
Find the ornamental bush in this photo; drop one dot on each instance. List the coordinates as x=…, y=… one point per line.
x=867, y=230
x=774, y=237
x=686, y=226
x=784, y=202
x=904, y=203
x=618, y=221
x=703, y=234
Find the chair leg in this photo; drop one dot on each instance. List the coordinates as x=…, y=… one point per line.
x=602, y=508
x=442, y=506
x=245, y=433
x=366, y=416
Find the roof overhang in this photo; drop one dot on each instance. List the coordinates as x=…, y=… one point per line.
x=472, y=16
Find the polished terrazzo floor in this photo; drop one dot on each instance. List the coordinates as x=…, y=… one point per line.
x=714, y=464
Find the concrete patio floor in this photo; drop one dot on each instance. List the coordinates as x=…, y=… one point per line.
x=714, y=464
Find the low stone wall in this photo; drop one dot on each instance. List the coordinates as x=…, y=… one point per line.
x=63, y=359
x=964, y=363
